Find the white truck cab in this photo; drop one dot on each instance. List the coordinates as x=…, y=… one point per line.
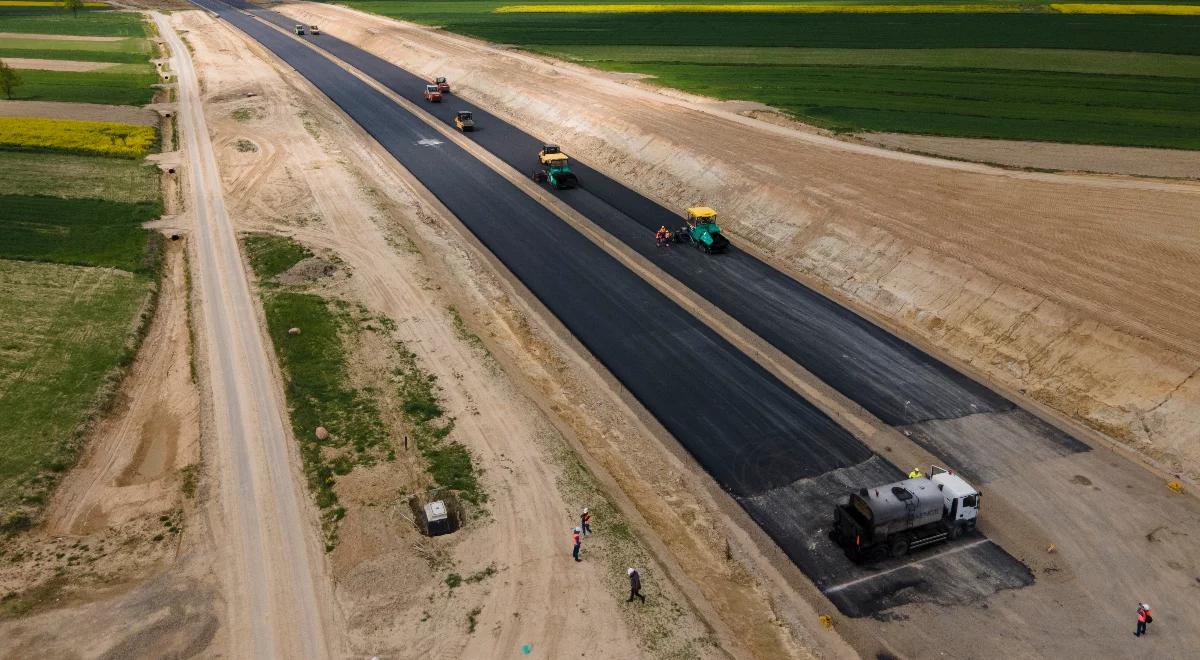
x=960, y=498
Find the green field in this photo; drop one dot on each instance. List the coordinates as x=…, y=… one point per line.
x=79, y=177
x=98, y=23
x=132, y=50
x=1097, y=79
x=82, y=232
x=62, y=330
x=110, y=87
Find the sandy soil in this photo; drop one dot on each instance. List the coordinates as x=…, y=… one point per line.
x=1075, y=290
x=80, y=111
x=55, y=65
x=1137, y=161
x=121, y=563
x=307, y=173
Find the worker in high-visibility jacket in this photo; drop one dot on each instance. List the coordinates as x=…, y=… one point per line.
x=578, y=540
x=916, y=473
x=1143, y=618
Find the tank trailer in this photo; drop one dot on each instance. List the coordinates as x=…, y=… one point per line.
x=905, y=515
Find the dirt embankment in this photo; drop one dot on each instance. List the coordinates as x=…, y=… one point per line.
x=1078, y=291
x=292, y=164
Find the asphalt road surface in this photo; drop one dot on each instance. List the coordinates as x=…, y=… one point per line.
x=275, y=587
x=781, y=458
x=896, y=382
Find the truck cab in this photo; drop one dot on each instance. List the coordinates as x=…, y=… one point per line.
x=960, y=499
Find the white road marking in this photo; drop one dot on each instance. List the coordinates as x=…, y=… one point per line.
x=429, y=142
x=872, y=576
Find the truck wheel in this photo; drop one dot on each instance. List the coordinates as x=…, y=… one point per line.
x=955, y=532
x=898, y=547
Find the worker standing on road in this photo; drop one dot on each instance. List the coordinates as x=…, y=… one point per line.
x=585, y=522
x=635, y=585
x=578, y=541
x=1143, y=618
x=662, y=236
x=916, y=473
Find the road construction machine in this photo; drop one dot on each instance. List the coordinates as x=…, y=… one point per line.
x=442, y=85
x=432, y=94
x=464, y=121
x=702, y=231
x=896, y=518
x=299, y=29
x=556, y=170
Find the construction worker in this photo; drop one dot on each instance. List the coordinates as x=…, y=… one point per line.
x=1143, y=618
x=635, y=585
x=662, y=236
x=575, y=536
x=585, y=522
x=916, y=473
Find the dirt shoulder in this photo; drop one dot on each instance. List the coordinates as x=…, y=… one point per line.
x=1071, y=290
x=292, y=164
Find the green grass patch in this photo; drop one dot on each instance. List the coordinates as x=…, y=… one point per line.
x=450, y=462
x=63, y=330
x=125, y=51
x=85, y=232
x=116, y=86
x=272, y=255
x=319, y=394
x=79, y=177
x=100, y=23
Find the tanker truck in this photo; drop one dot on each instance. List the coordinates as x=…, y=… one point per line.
x=906, y=515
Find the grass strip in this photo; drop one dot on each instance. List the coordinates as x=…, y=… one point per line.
x=450, y=462
x=84, y=232
x=114, y=86
x=272, y=255
x=90, y=23
x=79, y=177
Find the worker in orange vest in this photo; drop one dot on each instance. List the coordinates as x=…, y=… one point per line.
x=575, y=536
x=1143, y=618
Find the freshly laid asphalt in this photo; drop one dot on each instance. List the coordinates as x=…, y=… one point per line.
x=893, y=380
x=762, y=442
x=749, y=430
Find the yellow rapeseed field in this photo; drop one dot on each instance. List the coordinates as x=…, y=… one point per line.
x=1087, y=8
x=780, y=8
x=39, y=3
x=82, y=137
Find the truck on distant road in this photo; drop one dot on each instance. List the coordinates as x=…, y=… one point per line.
x=902, y=516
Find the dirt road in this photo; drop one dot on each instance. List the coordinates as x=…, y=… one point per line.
x=278, y=595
